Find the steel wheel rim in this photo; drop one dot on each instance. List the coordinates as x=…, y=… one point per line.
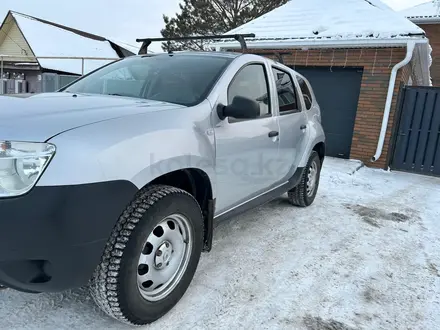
x=312, y=178
x=165, y=257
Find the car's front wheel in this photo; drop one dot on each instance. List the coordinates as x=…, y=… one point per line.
x=151, y=257
x=304, y=193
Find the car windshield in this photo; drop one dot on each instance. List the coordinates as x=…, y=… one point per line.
x=178, y=78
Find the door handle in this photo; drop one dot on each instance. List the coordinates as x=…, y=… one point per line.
x=303, y=127
x=274, y=134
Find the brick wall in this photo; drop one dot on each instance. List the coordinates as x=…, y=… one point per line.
x=433, y=33
x=377, y=65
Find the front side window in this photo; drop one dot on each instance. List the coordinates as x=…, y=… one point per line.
x=180, y=79
x=308, y=100
x=286, y=92
x=251, y=82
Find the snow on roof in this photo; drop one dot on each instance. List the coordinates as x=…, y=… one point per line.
x=49, y=40
x=425, y=11
x=335, y=19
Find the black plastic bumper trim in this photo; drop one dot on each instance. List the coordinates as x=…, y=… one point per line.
x=52, y=238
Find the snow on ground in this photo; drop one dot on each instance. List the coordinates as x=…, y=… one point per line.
x=364, y=256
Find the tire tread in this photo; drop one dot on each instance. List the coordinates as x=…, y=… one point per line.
x=103, y=286
x=297, y=196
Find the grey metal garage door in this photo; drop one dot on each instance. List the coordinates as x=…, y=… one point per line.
x=417, y=144
x=337, y=91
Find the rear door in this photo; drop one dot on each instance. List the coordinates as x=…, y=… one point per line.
x=311, y=106
x=292, y=121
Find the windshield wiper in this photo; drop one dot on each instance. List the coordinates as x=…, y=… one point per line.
x=123, y=95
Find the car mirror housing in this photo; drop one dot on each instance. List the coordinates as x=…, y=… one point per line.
x=240, y=108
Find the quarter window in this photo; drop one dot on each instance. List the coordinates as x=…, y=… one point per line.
x=286, y=92
x=306, y=93
x=251, y=82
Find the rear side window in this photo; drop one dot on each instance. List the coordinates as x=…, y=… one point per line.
x=306, y=93
x=286, y=92
x=251, y=82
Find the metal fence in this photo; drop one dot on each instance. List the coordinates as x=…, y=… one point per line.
x=417, y=139
x=50, y=82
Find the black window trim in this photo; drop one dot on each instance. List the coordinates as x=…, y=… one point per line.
x=270, y=114
x=312, y=96
x=290, y=112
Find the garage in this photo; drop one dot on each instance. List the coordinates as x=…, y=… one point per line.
x=337, y=91
x=349, y=59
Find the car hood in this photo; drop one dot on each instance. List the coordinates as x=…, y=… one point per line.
x=38, y=117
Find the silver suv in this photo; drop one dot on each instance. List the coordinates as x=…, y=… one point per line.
x=116, y=180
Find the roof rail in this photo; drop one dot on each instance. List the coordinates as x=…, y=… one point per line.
x=239, y=37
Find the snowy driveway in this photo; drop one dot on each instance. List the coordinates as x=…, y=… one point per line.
x=366, y=254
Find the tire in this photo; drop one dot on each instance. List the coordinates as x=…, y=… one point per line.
x=302, y=195
x=154, y=221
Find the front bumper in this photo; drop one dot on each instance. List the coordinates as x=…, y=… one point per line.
x=52, y=238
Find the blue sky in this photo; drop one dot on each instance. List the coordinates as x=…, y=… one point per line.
x=115, y=19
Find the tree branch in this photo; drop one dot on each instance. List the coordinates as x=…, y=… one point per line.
x=207, y=17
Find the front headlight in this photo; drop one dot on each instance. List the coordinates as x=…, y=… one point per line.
x=21, y=165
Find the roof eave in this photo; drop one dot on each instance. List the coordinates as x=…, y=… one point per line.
x=425, y=20
x=320, y=43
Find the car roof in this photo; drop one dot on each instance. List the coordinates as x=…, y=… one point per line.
x=196, y=53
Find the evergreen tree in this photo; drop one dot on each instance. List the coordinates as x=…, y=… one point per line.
x=208, y=17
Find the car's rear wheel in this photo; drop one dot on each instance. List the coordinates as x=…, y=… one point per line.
x=151, y=257
x=304, y=193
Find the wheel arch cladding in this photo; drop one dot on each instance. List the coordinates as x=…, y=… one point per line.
x=197, y=183
x=298, y=195
x=320, y=149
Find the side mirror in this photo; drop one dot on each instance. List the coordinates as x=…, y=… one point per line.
x=241, y=108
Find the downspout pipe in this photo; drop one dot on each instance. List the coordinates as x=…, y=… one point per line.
x=386, y=114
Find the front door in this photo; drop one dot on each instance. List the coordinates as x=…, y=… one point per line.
x=246, y=149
